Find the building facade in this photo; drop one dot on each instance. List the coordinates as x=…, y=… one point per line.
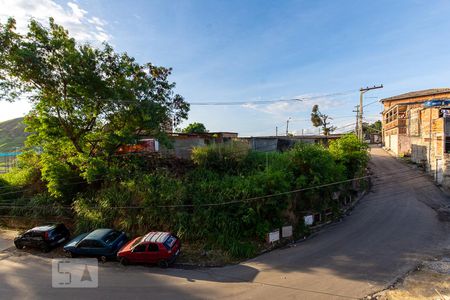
x=417, y=124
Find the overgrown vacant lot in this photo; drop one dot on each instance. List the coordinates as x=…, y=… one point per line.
x=217, y=202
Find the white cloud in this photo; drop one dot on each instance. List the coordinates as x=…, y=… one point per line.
x=308, y=100
x=76, y=20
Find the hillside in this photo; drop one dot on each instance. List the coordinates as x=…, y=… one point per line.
x=12, y=135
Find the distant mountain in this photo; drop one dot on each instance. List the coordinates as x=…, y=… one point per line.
x=12, y=135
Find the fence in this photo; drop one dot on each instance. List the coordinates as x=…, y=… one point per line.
x=8, y=160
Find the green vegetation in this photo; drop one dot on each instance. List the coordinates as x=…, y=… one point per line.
x=12, y=135
x=219, y=203
x=375, y=127
x=87, y=102
x=195, y=128
x=319, y=119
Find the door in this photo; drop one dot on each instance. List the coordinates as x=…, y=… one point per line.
x=439, y=171
x=91, y=247
x=152, y=255
x=138, y=253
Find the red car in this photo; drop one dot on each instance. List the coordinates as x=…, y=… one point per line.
x=161, y=248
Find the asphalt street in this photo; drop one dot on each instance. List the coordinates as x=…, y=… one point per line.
x=396, y=226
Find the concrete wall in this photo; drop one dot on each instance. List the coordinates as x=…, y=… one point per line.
x=182, y=148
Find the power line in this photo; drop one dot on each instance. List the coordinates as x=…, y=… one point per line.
x=376, y=176
x=223, y=103
x=406, y=177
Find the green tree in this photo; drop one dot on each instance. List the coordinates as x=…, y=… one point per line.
x=87, y=101
x=375, y=127
x=195, y=128
x=319, y=119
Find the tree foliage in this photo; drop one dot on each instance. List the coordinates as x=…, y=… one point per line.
x=195, y=128
x=87, y=101
x=351, y=152
x=375, y=127
x=319, y=119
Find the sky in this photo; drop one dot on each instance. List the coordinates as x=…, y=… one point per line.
x=322, y=51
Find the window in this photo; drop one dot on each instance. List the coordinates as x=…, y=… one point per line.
x=139, y=248
x=153, y=248
x=111, y=237
x=90, y=244
x=170, y=242
x=36, y=234
x=96, y=244
x=84, y=244
x=447, y=134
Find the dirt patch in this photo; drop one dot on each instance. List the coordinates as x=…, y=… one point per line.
x=8, y=234
x=430, y=281
x=195, y=255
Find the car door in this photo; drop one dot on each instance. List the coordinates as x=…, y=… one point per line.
x=138, y=253
x=152, y=255
x=91, y=248
x=36, y=239
x=99, y=248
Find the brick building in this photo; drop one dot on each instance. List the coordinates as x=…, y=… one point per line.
x=417, y=124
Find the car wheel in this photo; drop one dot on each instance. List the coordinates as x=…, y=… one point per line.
x=163, y=264
x=124, y=261
x=19, y=246
x=73, y=255
x=45, y=248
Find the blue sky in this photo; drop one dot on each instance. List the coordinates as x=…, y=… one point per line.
x=263, y=50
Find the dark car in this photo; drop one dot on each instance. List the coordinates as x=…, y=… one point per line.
x=43, y=237
x=101, y=243
x=162, y=248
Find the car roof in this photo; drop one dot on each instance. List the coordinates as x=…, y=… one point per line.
x=43, y=228
x=156, y=237
x=98, y=234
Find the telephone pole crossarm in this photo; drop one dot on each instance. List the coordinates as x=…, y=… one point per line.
x=360, y=110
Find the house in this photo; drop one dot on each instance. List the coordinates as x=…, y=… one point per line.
x=183, y=143
x=282, y=143
x=417, y=124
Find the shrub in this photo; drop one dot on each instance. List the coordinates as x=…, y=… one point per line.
x=221, y=157
x=351, y=152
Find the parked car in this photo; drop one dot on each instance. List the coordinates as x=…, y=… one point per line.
x=161, y=248
x=44, y=237
x=101, y=243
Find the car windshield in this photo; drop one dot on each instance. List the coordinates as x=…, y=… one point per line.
x=137, y=241
x=111, y=237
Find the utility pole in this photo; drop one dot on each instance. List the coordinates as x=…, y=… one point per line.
x=276, y=130
x=357, y=119
x=287, y=126
x=362, y=91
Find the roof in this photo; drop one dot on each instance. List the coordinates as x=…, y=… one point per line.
x=296, y=137
x=98, y=234
x=43, y=228
x=156, y=237
x=422, y=93
x=200, y=134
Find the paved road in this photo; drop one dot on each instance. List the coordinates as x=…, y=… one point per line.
x=389, y=232
x=6, y=239
x=4, y=244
